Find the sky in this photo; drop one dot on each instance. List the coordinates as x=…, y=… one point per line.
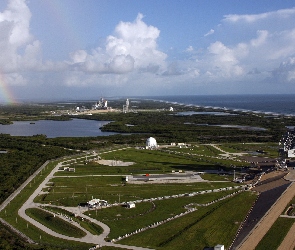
x=88, y=49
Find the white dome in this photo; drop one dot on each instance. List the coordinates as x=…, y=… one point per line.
x=151, y=142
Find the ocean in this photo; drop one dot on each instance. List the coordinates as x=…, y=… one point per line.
x=269, y=104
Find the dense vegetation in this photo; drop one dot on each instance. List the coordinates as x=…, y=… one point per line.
x=23, y=156
x=198, y=128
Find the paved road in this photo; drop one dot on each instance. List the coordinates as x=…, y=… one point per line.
x=16, y=192
x=89, y=238
x=289, y=241
x=267, y=221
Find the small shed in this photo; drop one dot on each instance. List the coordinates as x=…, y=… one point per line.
x=130, y=205
x=219, y=247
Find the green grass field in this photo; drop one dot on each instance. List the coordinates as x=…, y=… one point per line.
x=207, y=226
x=55, y=223
x=122, y=220
x=10, y=215
x=72, y=191
x=89, y=226
x=159, y=161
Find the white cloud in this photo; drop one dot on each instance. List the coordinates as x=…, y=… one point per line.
x=249, y=48
x=223, y=60
x=282, y=14
x=121, y=64
x=190, y=49
x=210, y=32
x=15, y=37
x=244, y=48
x=261, y=39
x=18, y=14
x=32, y=56
x=132, y=47
x=78, y=56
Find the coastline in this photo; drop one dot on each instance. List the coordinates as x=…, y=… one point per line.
x=272, y=105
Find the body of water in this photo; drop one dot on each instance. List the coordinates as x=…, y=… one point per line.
x=269, y=104
x=52, y=129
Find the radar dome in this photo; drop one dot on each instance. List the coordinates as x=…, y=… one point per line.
x=151, y=143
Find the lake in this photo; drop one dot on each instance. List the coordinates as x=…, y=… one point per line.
x=52, y=129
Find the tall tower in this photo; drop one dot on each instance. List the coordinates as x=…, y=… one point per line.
x=126, y=107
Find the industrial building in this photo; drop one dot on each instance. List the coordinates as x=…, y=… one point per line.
x=101, y=104
x=97, y=203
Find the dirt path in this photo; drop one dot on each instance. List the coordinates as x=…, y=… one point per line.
x=267, y=221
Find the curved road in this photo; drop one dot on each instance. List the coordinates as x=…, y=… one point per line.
x=89, y=238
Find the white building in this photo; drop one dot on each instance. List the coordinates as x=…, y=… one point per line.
x=151, y=143
x=130, y=205
x=219, y=247
x=97, y=202
x=291, y=153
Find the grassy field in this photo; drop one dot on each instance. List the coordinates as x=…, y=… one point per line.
x=160, y=161
x=262, y=149
x=72, y=191
x=10, y=215
x=89, y=226
x=55, y=223
x=208, y=226
x=122, y=220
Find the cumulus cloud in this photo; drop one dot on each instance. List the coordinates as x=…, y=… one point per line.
x=15, y=37
x=18, y=16
x=223, y=60
x=132, y=47
x=249, y=48
x=244, y=48
x=121, y=64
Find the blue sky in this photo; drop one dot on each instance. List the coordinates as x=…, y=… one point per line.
x=65, y=49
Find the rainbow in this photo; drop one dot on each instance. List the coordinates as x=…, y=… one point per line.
x=5, y=94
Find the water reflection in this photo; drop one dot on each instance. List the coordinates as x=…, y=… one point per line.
x=52, y=129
